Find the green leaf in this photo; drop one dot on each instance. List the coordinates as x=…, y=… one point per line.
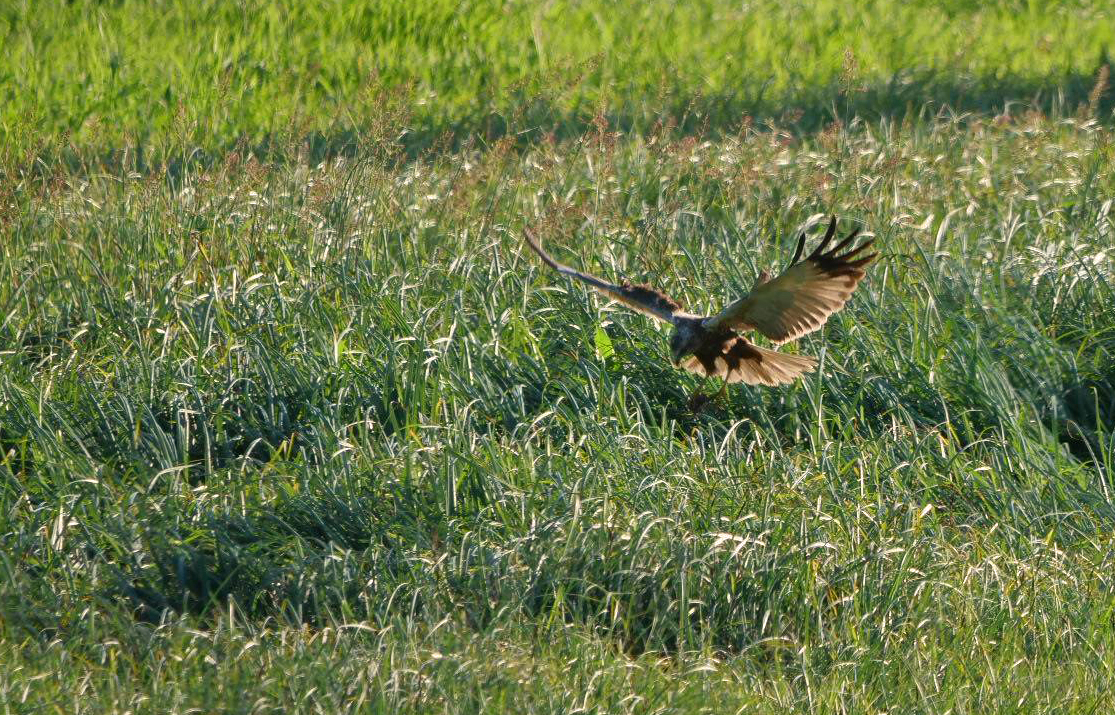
x=604, y=349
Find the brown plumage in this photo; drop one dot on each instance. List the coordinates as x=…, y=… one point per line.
x=785, y=308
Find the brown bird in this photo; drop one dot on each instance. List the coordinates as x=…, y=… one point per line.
x=783, y=309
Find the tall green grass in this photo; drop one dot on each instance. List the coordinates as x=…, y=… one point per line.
x=289, y=420
x=282, y=435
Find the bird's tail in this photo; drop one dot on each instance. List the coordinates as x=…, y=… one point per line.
x=774, y=368
x=743, y=361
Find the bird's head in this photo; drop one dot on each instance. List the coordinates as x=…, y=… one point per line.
x=685, y=340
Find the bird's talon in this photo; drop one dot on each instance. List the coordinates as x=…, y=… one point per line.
x=698, y=401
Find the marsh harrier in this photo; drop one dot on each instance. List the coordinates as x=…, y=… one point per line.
x=795, y=303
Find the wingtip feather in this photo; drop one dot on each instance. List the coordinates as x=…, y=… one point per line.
x=844, y=243
x=798, y=251
x=824, y=239
x=865, y=245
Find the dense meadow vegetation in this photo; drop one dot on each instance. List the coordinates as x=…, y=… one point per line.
x=290, y=421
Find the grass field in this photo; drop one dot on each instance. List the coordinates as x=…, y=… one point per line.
x=290, y=421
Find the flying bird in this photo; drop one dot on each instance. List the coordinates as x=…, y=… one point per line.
x=785, y=308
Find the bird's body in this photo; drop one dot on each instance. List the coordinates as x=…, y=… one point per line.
x=797, y=302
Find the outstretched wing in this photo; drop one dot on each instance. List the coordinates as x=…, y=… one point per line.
x=643, y=298
x=801, y=299
x=737, y=360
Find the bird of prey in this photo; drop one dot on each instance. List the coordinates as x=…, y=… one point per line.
x=785, y=308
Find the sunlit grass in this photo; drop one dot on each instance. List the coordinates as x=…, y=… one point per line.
x=153, y=82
